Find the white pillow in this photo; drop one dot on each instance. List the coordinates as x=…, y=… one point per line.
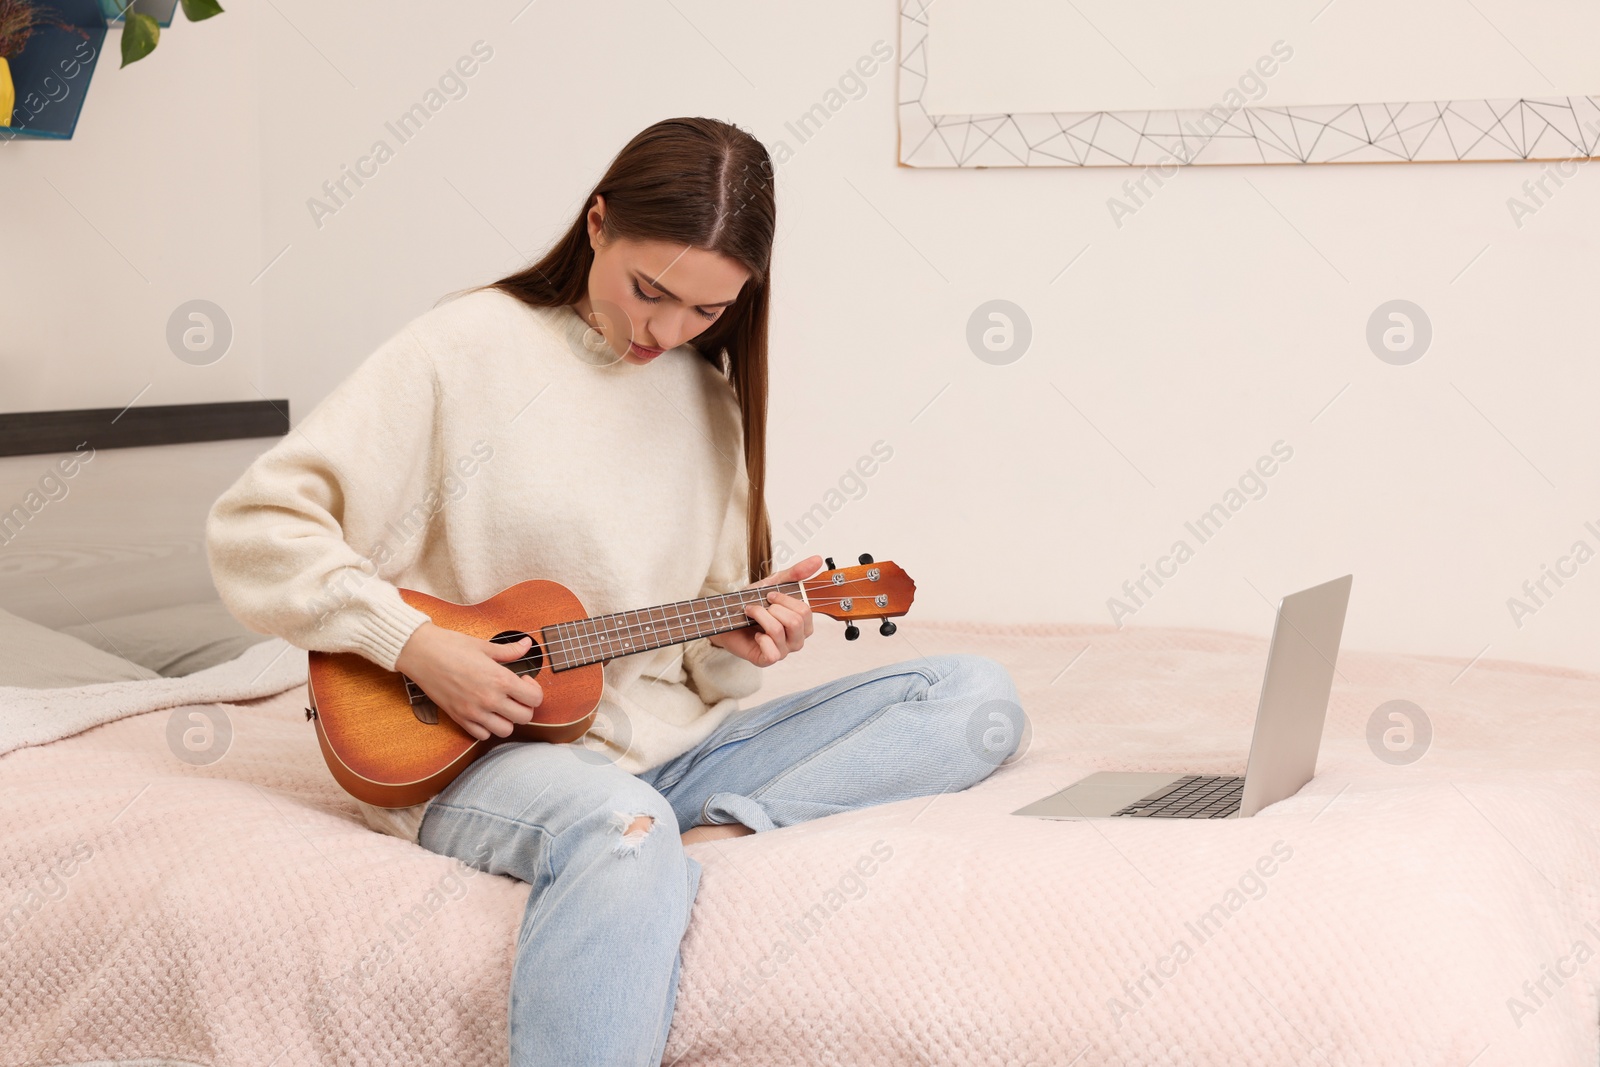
x=37, y=657
x=172, y=641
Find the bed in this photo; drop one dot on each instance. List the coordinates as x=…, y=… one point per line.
x=170, y=905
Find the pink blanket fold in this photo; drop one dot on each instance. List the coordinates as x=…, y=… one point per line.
x=240, y=913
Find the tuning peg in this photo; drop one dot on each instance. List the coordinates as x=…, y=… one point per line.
x=887, y=628
x=865, y=558
x=827, y=562
x=851, y=632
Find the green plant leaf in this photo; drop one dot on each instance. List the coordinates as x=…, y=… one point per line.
x=201, y=9
x=140, y=35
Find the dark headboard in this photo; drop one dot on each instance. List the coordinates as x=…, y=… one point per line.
x=34, y=432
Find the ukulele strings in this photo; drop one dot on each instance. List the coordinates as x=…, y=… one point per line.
x=580, y=640
x=586, y=642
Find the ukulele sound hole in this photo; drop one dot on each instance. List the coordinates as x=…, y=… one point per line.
x=427, y=712
x=528, y=664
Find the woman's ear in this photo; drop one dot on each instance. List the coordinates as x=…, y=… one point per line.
x=596, y=221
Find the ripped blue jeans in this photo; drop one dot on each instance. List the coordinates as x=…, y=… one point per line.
x=596, y=971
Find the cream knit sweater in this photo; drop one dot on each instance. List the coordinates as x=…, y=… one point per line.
x=483, y=444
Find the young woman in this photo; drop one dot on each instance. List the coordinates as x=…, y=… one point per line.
x=597, y=419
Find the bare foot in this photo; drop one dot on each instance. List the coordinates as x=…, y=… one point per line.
x=715, y=831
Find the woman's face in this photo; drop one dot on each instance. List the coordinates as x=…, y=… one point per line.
x=648, y=296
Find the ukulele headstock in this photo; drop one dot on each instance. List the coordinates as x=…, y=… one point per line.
x=867, y=591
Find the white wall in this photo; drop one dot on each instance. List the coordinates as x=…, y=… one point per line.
x=154, y=202
x=1223, y=316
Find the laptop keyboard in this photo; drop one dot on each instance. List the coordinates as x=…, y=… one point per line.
x=1194, y=796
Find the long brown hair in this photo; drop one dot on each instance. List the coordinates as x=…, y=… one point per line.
x=709, y=185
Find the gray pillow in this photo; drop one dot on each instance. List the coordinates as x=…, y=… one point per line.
x=38, y=657
x=172, y=641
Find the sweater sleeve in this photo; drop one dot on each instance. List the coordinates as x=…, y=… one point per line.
x=715, y=673
x=296, y=545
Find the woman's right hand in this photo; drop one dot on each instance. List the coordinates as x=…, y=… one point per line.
x=465, y=676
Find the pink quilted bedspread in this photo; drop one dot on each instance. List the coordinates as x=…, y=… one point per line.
x=1442, y=912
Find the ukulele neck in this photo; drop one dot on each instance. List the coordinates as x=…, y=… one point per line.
x=626, y=633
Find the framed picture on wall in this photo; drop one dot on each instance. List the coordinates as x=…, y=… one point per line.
x=1162, y=83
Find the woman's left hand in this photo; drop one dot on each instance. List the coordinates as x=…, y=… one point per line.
x=782, y=624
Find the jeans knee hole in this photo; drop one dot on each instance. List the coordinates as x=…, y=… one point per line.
x=633, y=828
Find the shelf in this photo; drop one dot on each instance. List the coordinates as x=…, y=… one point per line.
x=52, y=73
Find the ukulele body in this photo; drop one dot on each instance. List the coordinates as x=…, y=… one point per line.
x=376, y=738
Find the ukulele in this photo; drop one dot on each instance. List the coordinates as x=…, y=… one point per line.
x=387, y=743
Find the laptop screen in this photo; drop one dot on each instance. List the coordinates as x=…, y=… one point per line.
x=1294, y=694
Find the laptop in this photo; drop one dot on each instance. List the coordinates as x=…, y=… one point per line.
x=1283, y=752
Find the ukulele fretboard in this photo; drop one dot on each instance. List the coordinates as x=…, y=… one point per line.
x=625, y=633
